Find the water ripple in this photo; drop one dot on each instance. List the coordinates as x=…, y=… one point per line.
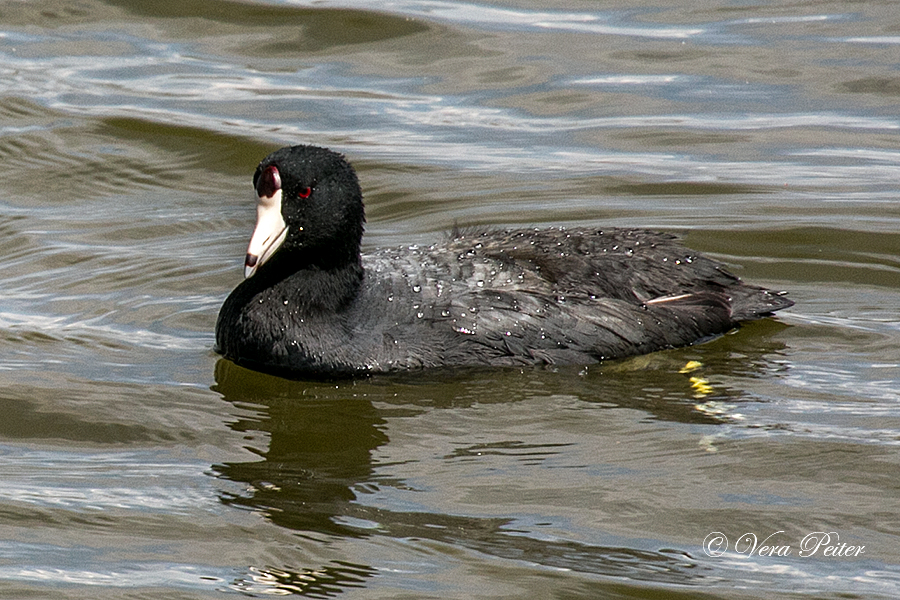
x=766, y=134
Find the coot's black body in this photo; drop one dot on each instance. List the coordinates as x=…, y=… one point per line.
x=311, y=306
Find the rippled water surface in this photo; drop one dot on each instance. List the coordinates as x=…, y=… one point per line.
x=135, y=463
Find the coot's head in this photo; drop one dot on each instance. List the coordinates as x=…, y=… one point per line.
x=310, y=211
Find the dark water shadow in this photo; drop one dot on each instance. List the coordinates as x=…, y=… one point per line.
x=322, y=435
x=301, y=29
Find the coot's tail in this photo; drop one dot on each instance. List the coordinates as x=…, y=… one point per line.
x=749, y=302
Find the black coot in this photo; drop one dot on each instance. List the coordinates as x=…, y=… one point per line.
x=312, y=306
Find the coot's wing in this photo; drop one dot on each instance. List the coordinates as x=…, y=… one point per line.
x=629, y=264
x=582, y=295
x=519, y=327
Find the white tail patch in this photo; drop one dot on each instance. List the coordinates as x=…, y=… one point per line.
x=664, y=299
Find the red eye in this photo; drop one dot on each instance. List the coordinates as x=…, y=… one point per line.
x=304, y=192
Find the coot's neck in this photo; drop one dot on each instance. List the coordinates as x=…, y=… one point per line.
x=310, y=281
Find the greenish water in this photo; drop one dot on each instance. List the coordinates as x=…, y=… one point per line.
x=136, y=464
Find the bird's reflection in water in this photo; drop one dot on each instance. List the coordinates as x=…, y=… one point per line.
x=317, y=460
x=319, y=448
x=319, y=452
